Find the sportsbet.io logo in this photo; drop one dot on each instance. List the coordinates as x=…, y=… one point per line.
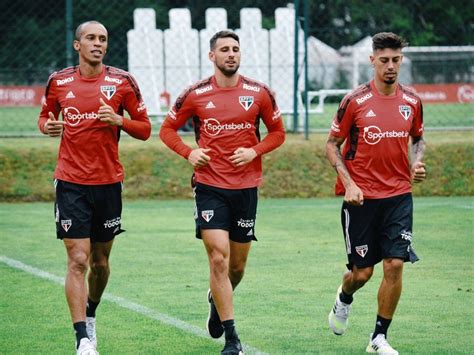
x=73, y=116
x=373, y=134
x=213, y=127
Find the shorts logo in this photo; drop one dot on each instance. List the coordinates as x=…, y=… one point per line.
x=245, y=223
x=207, y=215
x=112, y=222
x=246, y=102
x=66, y=224
x=250, y=233
x=405, y=111
x=108, y=91
x=406, y=235
x=362, y=250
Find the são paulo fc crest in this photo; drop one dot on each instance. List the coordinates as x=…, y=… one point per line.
x=362, y=250
x=405, y=111
x=66, y=224
x=207, y=215
x=246, y=102
x=108, y=91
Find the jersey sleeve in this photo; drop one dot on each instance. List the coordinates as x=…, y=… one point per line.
x=138, y=126
x=272, y=119
x=50, y=104
x=343, y=119
x=177, y=116
x=417, y=126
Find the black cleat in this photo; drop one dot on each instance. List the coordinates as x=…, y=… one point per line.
x=213, y=325
x=232, y=347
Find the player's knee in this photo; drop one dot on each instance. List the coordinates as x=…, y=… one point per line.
x=361, y=276
x=393, y=268
x=100, y=267
x=78, y=263
x=218, y=264
x=237, y=269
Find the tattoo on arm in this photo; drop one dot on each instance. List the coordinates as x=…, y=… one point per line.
x=418, y=148
x=336, y=159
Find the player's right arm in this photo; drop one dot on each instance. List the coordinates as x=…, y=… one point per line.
x=338, y=134
x=353, y=194
x=176, y=118
x=48, y=122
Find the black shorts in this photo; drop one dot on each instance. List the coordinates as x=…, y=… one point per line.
x=232, y=210
x=88, y=211
x=379, y=229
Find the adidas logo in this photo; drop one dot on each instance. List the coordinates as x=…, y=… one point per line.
x=70, y=95
x=250, y=233
x=210, y=105
x=370, y=114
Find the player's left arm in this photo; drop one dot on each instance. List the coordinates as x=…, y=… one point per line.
x=275, y=137
x=138, y=126
x=418, y=171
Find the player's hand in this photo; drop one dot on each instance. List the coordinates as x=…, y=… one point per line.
x=243, y=156
x=198, y=157
x=108, y=115
x=53, y=127
x=418, y=172
x=354, y=195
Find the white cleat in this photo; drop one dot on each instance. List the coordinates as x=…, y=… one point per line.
x=90, y=328
x=86, y=348
x=380, y=345
x=338, y=317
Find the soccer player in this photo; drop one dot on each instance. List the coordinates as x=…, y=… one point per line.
x=375, y=176
x=226, y=109
x=89, y=176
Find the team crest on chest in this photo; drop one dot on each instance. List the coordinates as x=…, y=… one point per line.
x=108, y=91
x=405, y=111
x=246, y=102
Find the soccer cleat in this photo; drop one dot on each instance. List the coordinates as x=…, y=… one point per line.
x=338, y=317
x=380, y=345
x=86, y=348
x=213, y=324
x=232, y=347
x=90, y=328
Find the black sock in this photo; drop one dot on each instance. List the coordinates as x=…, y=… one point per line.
x=91, y=307
x=346, y=298
x=80, y=329
x=229, y=329
x=381, y=326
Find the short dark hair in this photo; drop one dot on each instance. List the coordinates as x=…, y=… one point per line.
x=222, y=34
x=384, y=40
x=79, y=28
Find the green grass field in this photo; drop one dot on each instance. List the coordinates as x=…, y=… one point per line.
x=156, y=298
x=18, y=121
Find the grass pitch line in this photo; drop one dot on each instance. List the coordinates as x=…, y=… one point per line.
x=124, y=303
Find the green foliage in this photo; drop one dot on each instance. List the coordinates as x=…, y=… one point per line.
x=298, y=169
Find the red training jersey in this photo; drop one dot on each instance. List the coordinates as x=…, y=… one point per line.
x=224, y=120
x=377, y=128
x=88, y=151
